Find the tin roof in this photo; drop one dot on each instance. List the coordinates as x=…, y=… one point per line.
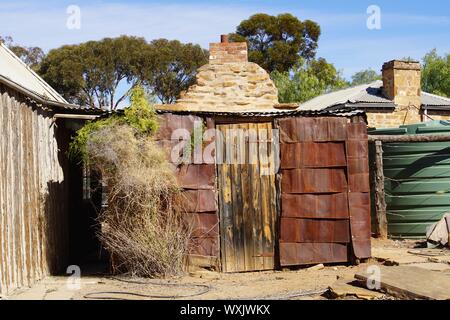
x=432, y=101
x=16, y=74
x=366, y=96
x=340, y=112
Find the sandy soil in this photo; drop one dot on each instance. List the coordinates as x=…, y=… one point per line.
x=286, y=284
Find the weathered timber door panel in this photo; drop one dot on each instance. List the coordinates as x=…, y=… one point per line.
x=246, y=162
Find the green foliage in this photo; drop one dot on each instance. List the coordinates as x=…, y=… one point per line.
x=436, y=74
x=306, y=80
x=365, y=76
x=31, y=56
x=276, y=42
x=90, y=73
x=140, y=115
x=172, y=68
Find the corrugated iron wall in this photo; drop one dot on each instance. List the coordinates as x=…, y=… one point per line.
x=198, y=182
x=325, y=208
x=33, y=194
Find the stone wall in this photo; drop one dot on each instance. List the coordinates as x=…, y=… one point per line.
x=437, y=115
x=389, y=119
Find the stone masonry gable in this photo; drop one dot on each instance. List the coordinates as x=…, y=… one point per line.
x=229, y=83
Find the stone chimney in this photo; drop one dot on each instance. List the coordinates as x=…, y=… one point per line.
x=401, y=82
x=227, y=52
x=229, y=82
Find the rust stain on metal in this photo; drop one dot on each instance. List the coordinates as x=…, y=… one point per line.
x=312, y=154
x=324, y=162
x=292, y=254
x=314, y=230
x=193, y=176
x=325, y=206
x=313, y=180
x=301, y=129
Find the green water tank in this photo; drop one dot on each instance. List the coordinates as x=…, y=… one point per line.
x=417, y=179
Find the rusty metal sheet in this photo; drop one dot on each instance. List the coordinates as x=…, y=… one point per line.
x=313, y=180
x=337, y=129
x=294, y=254
x=325, y=206
x=312, y=154
x=357, y=148
x=314, y=230
x=358, y=175
x=360, y=227
x=196, y=176
x=302, y=129
x=357, y=131
x=169, y=122
x=359, y=182
x=204, y=224
x=204, y=246
x=168, y=146
x=210, y=123
x=199, y=200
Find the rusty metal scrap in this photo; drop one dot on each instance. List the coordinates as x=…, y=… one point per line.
x=326, y=206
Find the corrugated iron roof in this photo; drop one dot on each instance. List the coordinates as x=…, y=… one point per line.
x=429, y=99
x=16, y=74
x=14, y=69
x=368, y=95
x=342, y=112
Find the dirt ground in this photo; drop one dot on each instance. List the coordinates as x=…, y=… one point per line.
x=305, y=283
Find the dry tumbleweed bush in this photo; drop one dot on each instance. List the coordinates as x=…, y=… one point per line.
x=142, y=225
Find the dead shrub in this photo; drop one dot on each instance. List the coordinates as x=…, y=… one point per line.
x=143, y=225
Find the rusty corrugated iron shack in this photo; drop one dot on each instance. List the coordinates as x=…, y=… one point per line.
x=312, y=207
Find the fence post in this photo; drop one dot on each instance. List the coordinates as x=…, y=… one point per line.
x=380, y=201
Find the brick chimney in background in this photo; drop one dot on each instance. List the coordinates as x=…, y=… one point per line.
x=401, y=83
x=227, y=52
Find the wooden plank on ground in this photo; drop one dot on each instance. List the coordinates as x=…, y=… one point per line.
x=411, y=282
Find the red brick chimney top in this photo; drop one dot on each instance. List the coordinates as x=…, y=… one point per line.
x=227, y=52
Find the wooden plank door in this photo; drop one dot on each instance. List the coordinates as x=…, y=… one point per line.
x=246, y=155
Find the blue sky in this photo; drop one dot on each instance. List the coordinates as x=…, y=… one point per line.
x=408, y=28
